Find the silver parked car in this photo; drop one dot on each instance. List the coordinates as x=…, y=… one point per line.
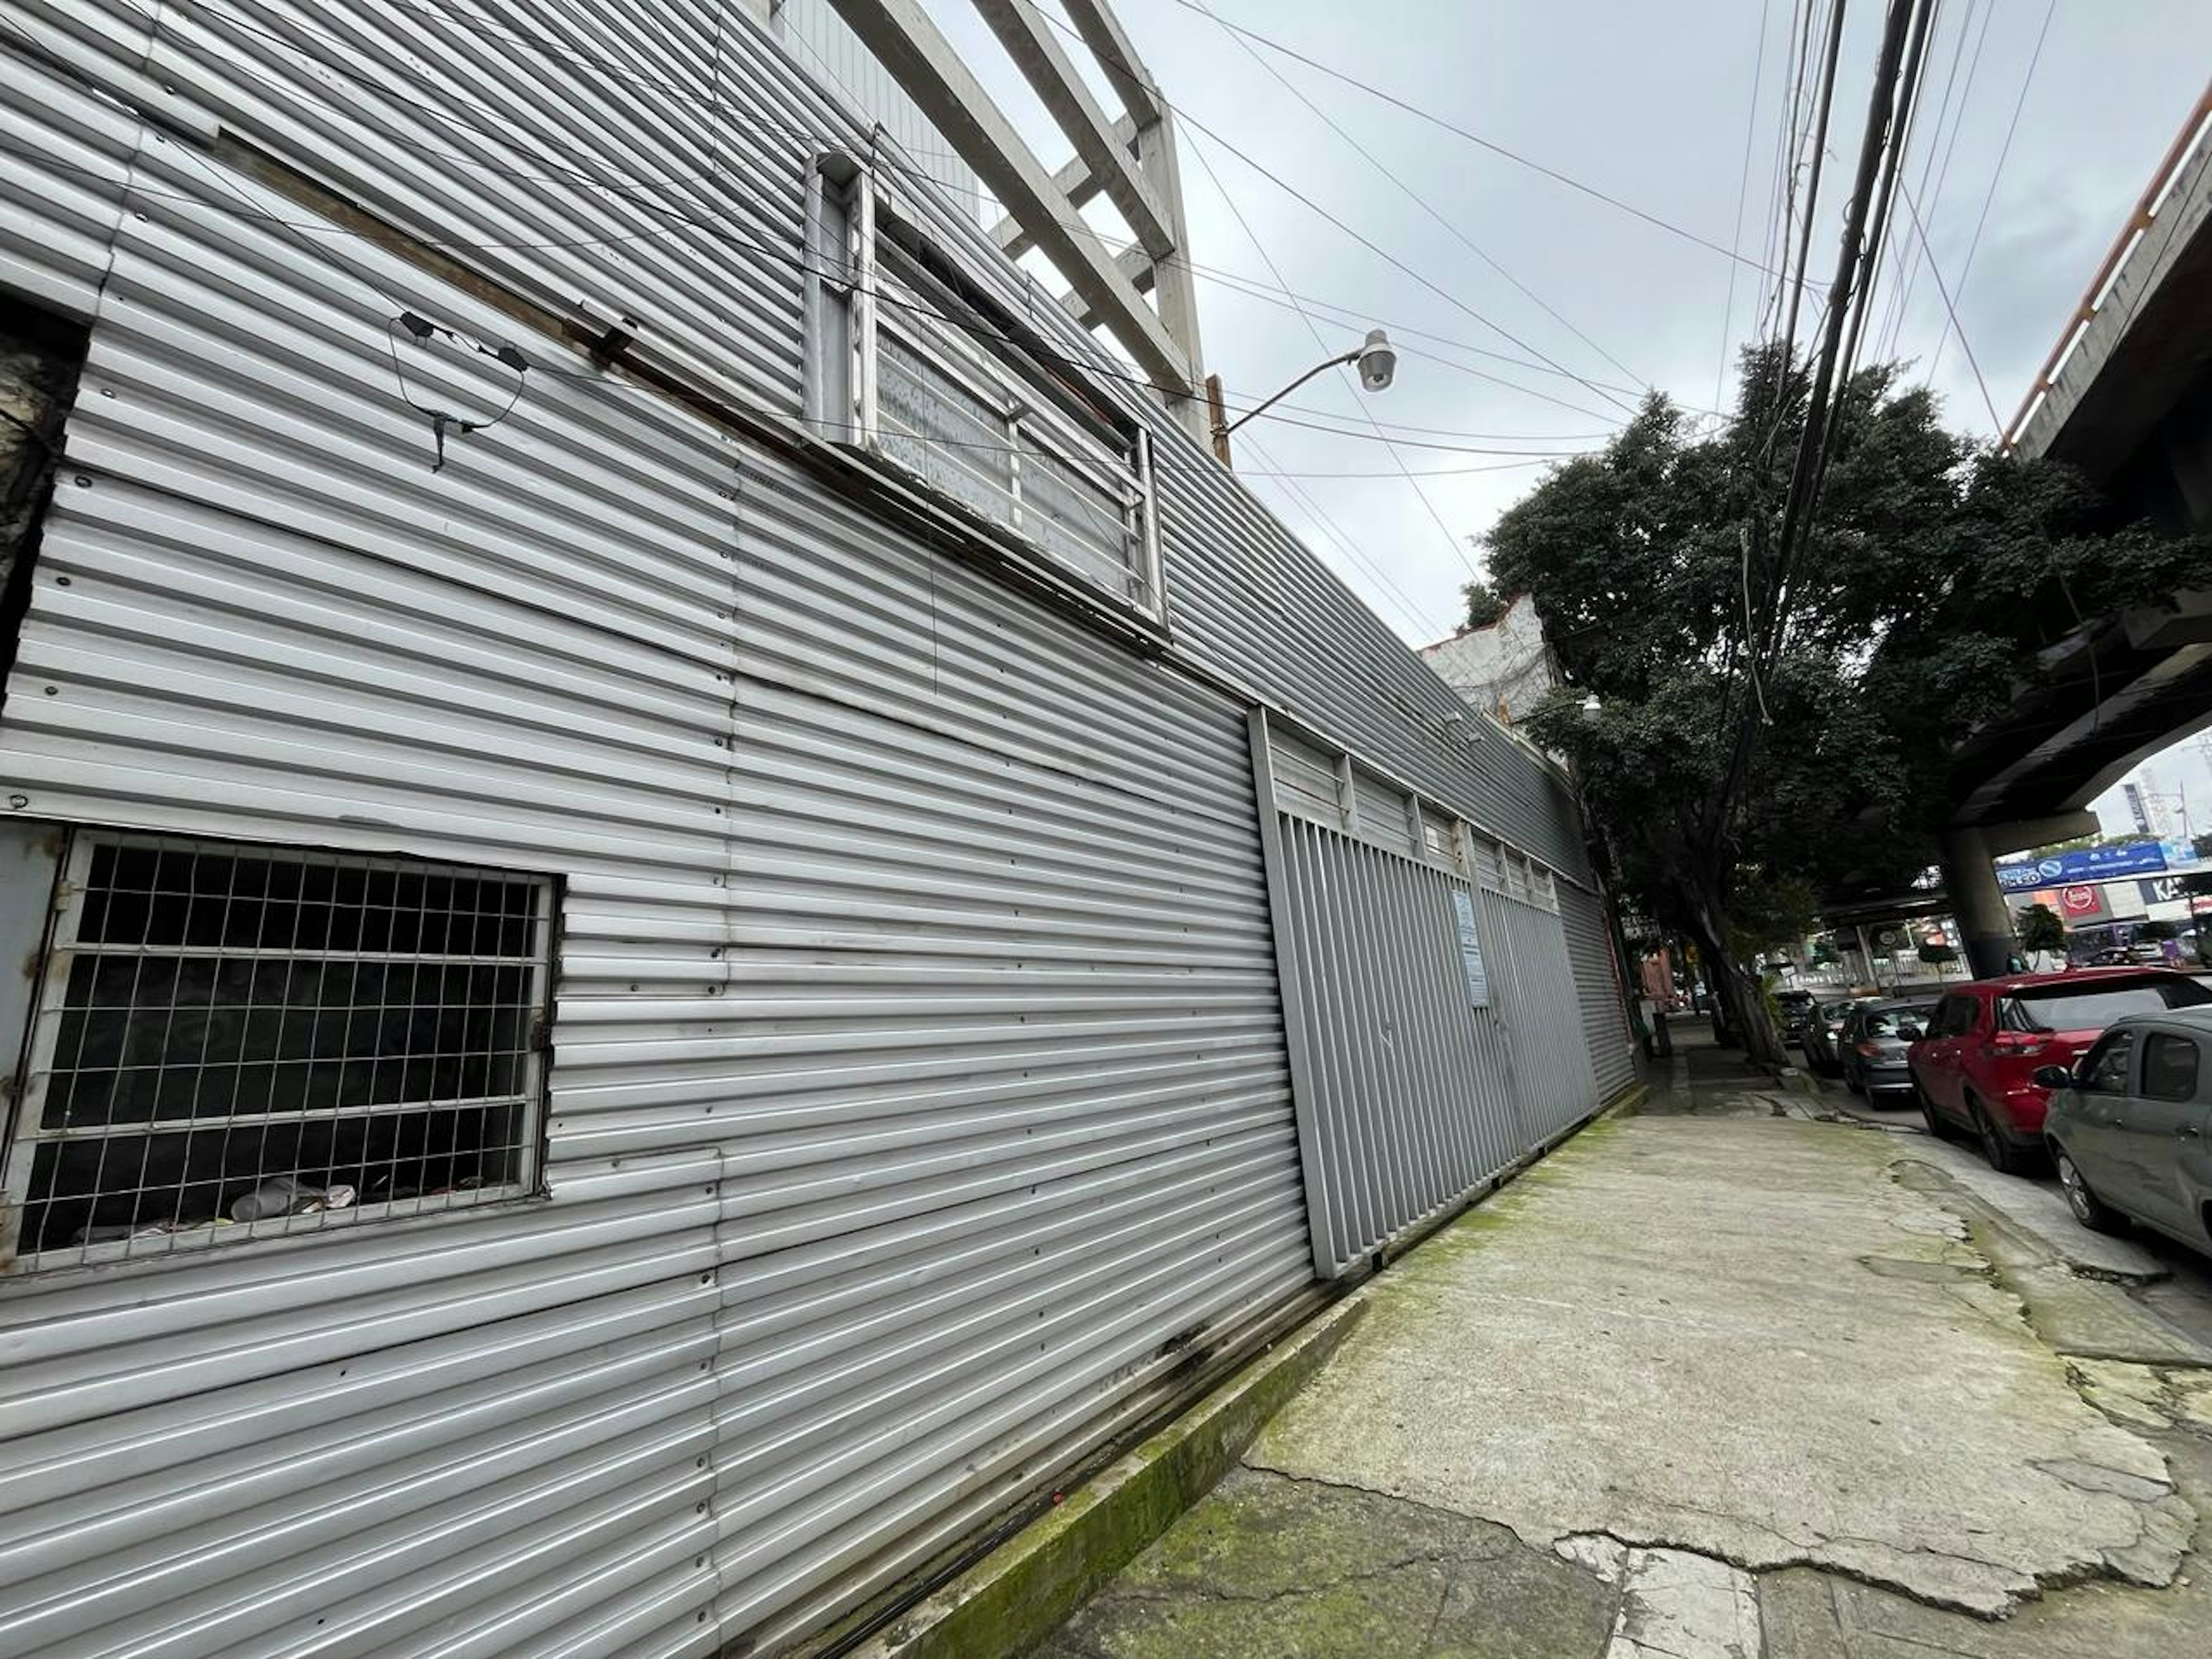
x=1872, y=1046
x=1820, y=1037
x=2129, y=1127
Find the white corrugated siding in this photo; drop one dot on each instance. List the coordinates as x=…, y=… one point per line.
x=919, y=1081
x=1597, y=983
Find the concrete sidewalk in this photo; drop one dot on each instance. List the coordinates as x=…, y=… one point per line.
x=1717, y=1379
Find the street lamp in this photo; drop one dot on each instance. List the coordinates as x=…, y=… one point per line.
x=1378, y=367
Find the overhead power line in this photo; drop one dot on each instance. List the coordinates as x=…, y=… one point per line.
x=1951, y=313
x=1475, y=138
x=1743, y=189
x=2004, y=155
x=1268, y=259
x=1391, y=176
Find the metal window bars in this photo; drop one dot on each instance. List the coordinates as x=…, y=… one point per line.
x=996, y=437
x=231, y=1041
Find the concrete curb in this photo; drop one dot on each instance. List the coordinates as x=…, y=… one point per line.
x=1021, y=1592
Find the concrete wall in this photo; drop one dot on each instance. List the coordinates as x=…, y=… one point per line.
x=1505, y=668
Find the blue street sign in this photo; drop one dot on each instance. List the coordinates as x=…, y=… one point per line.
x=2087, y=865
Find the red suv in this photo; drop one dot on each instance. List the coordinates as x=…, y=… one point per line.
x=1972, y=1066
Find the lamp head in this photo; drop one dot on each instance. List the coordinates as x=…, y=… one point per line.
x=1378, y=363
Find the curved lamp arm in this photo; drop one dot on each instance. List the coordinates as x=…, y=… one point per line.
x=1377, y=362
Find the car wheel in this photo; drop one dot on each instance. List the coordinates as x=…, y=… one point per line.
x=2006, y=1157
x=1938, y=1125
x=2089, y=1209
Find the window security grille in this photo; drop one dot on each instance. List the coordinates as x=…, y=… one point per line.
x=914, y=362
x=232, y=1041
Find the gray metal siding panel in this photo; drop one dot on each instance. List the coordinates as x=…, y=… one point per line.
x=1554, y=1083
x=1597, y=983
x=567, y=152
x=919, y=1069
x=1408, y=1091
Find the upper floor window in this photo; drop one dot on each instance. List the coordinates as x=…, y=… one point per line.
x=911, y=361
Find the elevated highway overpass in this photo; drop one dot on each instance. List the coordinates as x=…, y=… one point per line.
x=2125, y=396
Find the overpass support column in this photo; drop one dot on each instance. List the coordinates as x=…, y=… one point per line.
x=1970, y=877
x=1978, y=904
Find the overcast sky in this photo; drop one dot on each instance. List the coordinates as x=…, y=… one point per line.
x=1648, y=103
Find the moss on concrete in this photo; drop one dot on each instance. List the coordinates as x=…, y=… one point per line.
x=1268, y=1566
x=1008, y=1602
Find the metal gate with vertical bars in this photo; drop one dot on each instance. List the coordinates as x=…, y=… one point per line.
x=1434, y=1028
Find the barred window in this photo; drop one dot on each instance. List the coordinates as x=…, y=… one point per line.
x=234, y=1041
x=912, y=362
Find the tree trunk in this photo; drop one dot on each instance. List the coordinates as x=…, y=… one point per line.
x=1736, y=991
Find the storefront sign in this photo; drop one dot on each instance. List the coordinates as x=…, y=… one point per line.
x=2085, y=863
x=2081, y=903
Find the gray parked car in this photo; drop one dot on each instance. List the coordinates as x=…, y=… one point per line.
x=1874, y=1037
x=2129, y=1127
x=1818, y=1038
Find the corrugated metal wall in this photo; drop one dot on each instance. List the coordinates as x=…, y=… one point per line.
x=1554, y=1084
x=920, y=1083
x=1597, y=984
x=1415, y=1084
x=1406, y=1100
x=651, y=158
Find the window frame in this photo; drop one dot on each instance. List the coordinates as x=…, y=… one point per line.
x=48, y=1003
x=2125, y=1039
x=860, y=246
x=2188, y=1044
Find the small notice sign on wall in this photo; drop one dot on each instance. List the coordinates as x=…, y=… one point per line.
x=1470, y=948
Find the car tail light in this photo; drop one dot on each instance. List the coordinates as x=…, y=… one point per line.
x=1871, y=1050
x=2015, y=1045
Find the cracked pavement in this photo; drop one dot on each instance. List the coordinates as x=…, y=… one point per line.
x=1715, y=1384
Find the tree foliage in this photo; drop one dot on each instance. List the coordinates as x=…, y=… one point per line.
x=1485, y=604
x=2041, y=929
x=1932, y=572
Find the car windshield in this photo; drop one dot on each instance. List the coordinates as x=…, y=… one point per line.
x=2092, y=1007
x=1833, y=1012
x=1884, y=1022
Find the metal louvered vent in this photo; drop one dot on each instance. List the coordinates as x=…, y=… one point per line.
x=234, y=1041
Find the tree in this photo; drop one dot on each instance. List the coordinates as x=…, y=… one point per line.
x=1483, y=604
x=2040, y=929
x=1735, y=769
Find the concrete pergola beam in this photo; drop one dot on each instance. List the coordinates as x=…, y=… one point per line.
x=902, y=38
x=1132, y=82
x=1076, y=181
x=1035, y=47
